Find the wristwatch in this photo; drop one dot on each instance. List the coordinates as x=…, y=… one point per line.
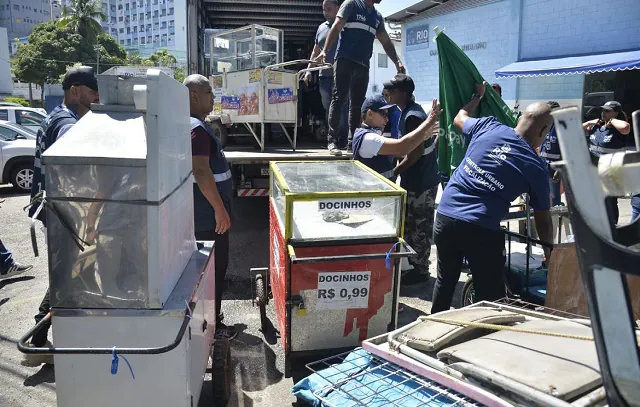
x=475, y=95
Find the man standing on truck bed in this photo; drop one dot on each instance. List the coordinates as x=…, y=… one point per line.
x=325, y=76
x=501, y=163
x=357, y=25
x=213, y=190
x=80, y=91
x=419, y=175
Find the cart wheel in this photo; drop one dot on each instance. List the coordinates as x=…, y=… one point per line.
x=261, y=300
x=221, y=372
x=468, y=293
x=221, y=131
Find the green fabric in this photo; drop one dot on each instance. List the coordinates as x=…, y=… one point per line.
x=458, y=76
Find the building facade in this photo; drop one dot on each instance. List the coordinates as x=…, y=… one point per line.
x=497, y=33
x=381, y=68
x=20, y=16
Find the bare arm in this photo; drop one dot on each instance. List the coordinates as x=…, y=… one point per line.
x=207, y=184
x=544, y=227
x=467, y=109
x=586, y=126
x=623, y=127
x=390, y=50
x=414, y=155
x=314, y=54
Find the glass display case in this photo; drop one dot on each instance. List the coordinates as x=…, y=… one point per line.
x=340, y=200
x=250, y=47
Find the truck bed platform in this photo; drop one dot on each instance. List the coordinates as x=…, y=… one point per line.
x=250, y=155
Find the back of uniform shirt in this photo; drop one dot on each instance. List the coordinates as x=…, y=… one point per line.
x=498, y=167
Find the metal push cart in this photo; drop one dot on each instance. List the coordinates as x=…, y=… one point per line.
x=334, y=260
x=251, y=87
x=132, y=298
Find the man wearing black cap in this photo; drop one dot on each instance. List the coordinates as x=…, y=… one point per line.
x=419, y=175
x=606, y=136
x=80, y=90
x=378, y=152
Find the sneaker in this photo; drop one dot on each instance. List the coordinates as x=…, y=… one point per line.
x=33, y=360
x=334, y=150
x=225, y=332
x=14, y=270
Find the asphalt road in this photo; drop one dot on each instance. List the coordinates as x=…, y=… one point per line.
x=257, y=361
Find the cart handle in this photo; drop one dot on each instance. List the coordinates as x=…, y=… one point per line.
x=397, y=255
x=296, y=62
x=22, y=343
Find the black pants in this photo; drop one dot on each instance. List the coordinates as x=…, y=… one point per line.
x=351, y=79
x=484, y=250
x=221, y=253
x=40, y=337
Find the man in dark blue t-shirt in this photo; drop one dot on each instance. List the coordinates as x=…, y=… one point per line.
x=501, y=163
x=357, y=25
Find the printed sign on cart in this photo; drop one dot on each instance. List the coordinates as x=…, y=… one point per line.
x=230, y=102
x=344, y=290
x=275, y=78
x=255, y=76
x=345, y=205
x=282, y=95
x=217, y=82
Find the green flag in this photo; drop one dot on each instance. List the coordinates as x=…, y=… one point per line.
x=458, y=76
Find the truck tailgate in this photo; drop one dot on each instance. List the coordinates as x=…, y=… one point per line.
x=249, y=155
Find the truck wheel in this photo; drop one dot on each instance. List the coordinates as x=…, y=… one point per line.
x=221, y=131
x=468, y=293
x=221, y=372
x=22, y=177
x=261, y=300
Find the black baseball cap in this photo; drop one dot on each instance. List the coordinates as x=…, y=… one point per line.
x=401, y=82
x=612, y=105
x=78, y=76
x=375, y=104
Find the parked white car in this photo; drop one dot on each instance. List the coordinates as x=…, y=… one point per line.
x=17, y=149
x=29, y=117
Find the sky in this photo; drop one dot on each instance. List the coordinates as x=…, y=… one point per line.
x=387, y=7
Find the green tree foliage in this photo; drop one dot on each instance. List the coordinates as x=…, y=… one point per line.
x=83, y=17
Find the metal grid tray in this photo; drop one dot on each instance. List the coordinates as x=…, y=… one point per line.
x=368, y=380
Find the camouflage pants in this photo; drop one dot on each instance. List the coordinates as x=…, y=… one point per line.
x=418, y=227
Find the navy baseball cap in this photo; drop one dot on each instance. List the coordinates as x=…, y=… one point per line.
x=612, y=106
x=375, y=104
x=402, y=82
x=78, y=76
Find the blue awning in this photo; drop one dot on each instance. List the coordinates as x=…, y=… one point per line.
x=618, y=61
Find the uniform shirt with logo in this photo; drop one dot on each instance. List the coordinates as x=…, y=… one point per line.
x=550, y=149
x=362, y=23
x=205, y=144
x=498, y=167
x=605, y=140
x=423, y=174
x=367, y=142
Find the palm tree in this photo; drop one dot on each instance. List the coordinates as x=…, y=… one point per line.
x=83, y=16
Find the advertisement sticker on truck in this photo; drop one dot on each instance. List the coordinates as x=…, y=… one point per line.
x=345, y=205
x=230, y=102
x=282, y=95
x=343, y=290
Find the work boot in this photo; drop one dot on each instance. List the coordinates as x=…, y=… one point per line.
x=334, y=150
x=14, y=270
x=417, y=275
x=33, y=360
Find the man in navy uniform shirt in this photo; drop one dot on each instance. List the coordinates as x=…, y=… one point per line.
x=550, y=153
x=501, y=163
x=357, y=25
x=213, y=189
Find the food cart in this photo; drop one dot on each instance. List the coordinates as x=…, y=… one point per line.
x=335, y=245
x=132, y=298
x=250, y=85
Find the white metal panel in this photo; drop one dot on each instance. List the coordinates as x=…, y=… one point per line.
x=286, y=112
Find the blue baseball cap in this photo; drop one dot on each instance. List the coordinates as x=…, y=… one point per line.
x=375, y=104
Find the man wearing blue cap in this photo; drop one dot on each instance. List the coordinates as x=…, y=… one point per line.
x=378, y=152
